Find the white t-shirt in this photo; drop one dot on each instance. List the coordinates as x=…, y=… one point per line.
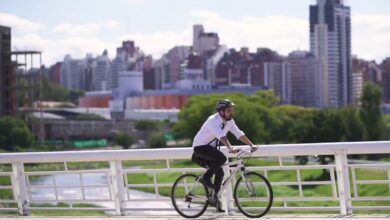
x=212, y=128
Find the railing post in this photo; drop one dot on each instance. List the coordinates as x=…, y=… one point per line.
x=343, y=183
x=227, y=196
x=20, y=188
x=118, y=188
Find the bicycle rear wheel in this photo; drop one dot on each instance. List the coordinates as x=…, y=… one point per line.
x=189, y=196
x=253, y=195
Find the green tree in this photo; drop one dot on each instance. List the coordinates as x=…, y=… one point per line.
x=157, y=140
x=250, y=115
x=304, y=129
x=74, y=95
x=353, y=128
x=285, y=118
x=145, y=125
x=14, y=133
x=266, y=97
x=370, y=112
x=386, y=123
x=53, y=92
x=125, y=140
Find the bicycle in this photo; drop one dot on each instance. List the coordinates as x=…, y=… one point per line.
x=252, y=192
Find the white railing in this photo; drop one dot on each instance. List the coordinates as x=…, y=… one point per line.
x=117, y=190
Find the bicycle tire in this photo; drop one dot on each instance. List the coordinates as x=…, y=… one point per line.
x=269, y=188
x=178, y=210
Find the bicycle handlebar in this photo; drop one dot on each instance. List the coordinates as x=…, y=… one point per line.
x=243, y=153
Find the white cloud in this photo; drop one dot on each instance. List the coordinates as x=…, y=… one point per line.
x=111, y=24
x=158, y=43
x=370, y=33
x=204, y=14
x=54, y=50
x=20, y=25
x=76, y=29
x=136, y=2
x=371, y=36
x=278, y=32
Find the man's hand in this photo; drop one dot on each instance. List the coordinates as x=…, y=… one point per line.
x=254, y=148
x=234, y=150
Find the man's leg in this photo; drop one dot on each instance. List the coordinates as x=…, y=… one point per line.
x=215, y=159
x=201, y=162
x=218, y=179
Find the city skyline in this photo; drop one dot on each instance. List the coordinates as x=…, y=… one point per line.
x=281, y=27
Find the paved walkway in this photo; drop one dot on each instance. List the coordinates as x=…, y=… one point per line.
x=270, y=217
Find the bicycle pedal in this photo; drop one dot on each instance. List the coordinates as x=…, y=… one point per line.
x=188, y=197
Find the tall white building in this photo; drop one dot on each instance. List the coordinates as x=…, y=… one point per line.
x=330, y=42
x=118, y=65
x=212, y=62
x=357, y=81
x=101, y=72
x=71, y=73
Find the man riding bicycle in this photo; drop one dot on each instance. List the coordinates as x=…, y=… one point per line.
x=211, y=134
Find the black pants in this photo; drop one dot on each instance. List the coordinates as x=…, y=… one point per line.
x=209, y=156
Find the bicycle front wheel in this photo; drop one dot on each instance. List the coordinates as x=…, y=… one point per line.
x=253, y=195
x=189, y=196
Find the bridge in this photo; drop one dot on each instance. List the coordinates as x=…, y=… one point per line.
x=54, y=181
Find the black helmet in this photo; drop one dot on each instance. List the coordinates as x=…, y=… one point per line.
x=223, y=104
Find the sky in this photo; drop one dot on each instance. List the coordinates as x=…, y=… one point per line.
x=78, y=27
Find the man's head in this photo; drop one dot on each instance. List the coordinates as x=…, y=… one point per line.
x=225, y=109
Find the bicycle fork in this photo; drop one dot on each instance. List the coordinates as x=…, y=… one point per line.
x=248, y=183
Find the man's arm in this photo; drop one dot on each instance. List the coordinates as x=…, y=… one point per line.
x=241, y=136
x=226, y=142
x=245, y=140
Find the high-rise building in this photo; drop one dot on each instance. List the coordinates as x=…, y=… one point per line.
x=305, y=82
x=7, y=74
x=277, y=78
x=242, y=67
x=363, y=71
x=192, y=74
x=168, y=67
x=203, y=42
x=101, y=72
x=357, y=87
x=71, y=73
x=385, y=67
x=55, y=73
x=330, y=42
x=118, y=65
x=152, y=81
x=87, y=72
x=212, y=63
x=128, y=58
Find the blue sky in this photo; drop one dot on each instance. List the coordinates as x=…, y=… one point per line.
x=58, y=27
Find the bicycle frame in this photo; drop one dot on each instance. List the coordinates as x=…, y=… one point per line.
x=239, y=166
